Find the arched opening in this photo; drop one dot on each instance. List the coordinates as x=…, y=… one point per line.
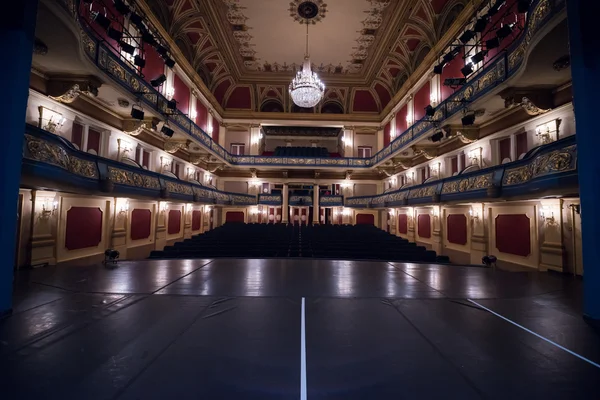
x=271, y=106
x=332, y=107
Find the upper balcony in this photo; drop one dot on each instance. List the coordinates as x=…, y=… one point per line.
x=126, y=77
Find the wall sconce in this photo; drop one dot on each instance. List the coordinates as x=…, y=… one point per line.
x=54, y=125
x=347, y=212
x=434, y=170
x=123, y=207
x=49, y=208
x=409, y=119
x=209, y=129
x=254, y=182
x=547, y=132
x=162, y=207
x=473, y=214
x=170, y=92
x=433, y=99
x=475, y=156
x=193, y=114
x=547, y=215
x=435, y=212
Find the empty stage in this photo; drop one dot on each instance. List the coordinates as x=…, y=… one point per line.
x=232, y=329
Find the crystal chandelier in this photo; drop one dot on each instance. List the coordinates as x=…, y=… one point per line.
x=306, y=88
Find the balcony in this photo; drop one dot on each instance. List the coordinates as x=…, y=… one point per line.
x=51, y=161
x=498, y=71
x=549, y=170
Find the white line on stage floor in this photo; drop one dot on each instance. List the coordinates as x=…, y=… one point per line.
x=528, y=330
x=302, y=353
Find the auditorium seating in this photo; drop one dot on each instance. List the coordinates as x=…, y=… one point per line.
x=359, y=242
x=301, y=152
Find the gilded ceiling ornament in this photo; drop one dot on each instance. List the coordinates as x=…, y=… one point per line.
x=308, y=12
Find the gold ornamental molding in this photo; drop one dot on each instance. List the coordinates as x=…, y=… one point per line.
x=172, y=146
x=67, y=90
x=425, y=152
x=133, y=127
x=533, y=101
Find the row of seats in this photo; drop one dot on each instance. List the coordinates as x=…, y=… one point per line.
x=301, y=152
x=239, y=240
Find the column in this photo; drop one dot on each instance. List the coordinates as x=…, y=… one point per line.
x=254, y=139
x=379, y=140
x=285, y=207
x=17, y=29
x=316, y=205
x=349, y=142
x=585, y=69
x=222, y=133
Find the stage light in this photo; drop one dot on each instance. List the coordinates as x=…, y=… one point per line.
x=479, y=57
x=137, y=112
x=101, y=20
x=139, y=61
x=126, y=47
x=148, y=38
x=467, y=36
x=438, y=69
x=158, y=81
x=121, y=7
x=172, y=105
x=505, y=31
x=492, y=43
x=523, y=6
x=137, y=21
x=436, y=137
x=455, y=82
x=115, y=34
x=167, y=131
x=451, y=54
x=429, y=111
x=496, y=7
x=467, y=69
x=161, y=51
x=111, y=256
x=481, y=24
x=169, y=62
x=468, y=119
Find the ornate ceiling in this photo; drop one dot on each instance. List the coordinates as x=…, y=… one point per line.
x=247, y=51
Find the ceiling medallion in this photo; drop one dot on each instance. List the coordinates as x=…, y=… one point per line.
x=306, y=88
x=306, y=12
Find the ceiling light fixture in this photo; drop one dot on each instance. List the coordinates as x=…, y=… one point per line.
x=137, y=112
x=166, y=130
x=505, y=31
x=158, y=81
x=306, y=89
x=481, y=24
x=467, y=69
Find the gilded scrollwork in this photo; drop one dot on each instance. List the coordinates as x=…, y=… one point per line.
x=329, y=200
x=131, y=178
x=269, y=199
x=176, y=187
x=421, y=192
x=467, y=184
x=52, y=153
x=554, y=162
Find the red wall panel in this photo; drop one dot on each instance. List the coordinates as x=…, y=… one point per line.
x=457, y=229
x=182, y=94
x=141, y=223
x=451, y=70
x=84, y=228
x=365, y=219
x=240, y=98
x=424, y=225
x=201, y=115
x=421, y=100
x=174, y=223
x=401, y=120
x=196, y=220
x=403, y=223
x=387, y=133
x=94, y=140
x=364, y=101
x=234, y=216
x=155, y=66
x=513, y=234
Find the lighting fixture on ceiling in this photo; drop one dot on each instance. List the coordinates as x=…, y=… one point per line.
x=137, y=112
x=452, y=54
x=169, y=62
x=467, y=36
x=437, y=136
x=137, y=20
x=479, y=57
x=467, y=69
x=505, y=31
x=158, y=81
x=481, y=24
x=468, y=119
x=148, y=38
x=139, y=61
x=161, y=51
x=438, y=69
x=126, y=47
x=115, y=34
x=121, y=7
x=492, y=43
x=306, y=89
x=101, y=20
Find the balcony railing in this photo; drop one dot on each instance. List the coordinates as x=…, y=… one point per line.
x=496, y=72
x=270, y=199
x=50, y=158
x=548, y=169
x=331, y=201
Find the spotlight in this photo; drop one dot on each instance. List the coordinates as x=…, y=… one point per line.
x=158, y=81
x=505, y=31
x=167, y=131
x=523, y=6
x=148, y=38
x=451, y=54
x=139, y=61
x=436, y=137
x=169, y=62
x=110, y=256
x=481, y=24
x=479, y=57
x=126, y=47
x=492, y=43
x=172, y=105
x=429, y=111
x=137, y=21
x=137, y=112
x=438, y=69
x=161, y=51
x=468, y=119
x=467, y=36
x=102, y=20
x=121, y=7
x=455, y=82
x=467, y=69
x=496, y=7
x=115, y=34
